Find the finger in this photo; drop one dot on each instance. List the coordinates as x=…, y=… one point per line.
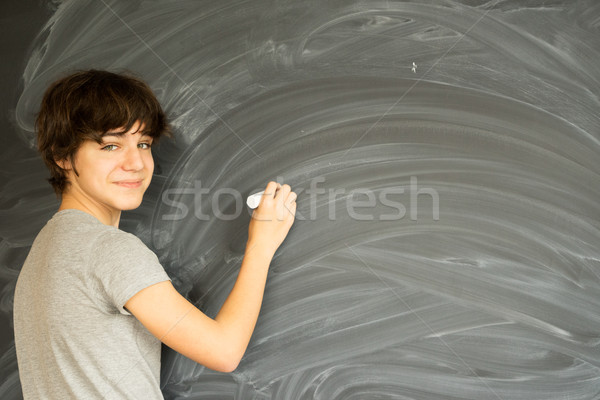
x=292, y=210
x=290, y=202
x=271, y=189
x=283, y=193
x=291, y=198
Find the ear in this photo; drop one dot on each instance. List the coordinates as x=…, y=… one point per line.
x=64, y=164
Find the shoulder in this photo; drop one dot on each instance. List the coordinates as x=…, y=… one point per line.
x=75, y=224
x=112, y=236
x=118, y=243
x=87, y=232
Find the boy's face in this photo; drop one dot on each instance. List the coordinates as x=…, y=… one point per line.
x=113, y=175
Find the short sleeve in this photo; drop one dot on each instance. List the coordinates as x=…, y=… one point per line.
x=123, y=265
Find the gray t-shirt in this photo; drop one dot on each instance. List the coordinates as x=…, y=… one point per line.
x=74, y=339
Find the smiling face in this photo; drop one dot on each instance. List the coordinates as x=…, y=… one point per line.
x=111, y=176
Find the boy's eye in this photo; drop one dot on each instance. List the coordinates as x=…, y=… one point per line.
x=144, y=145
x=110, y=147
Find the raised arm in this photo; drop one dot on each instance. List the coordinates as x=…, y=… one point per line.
x=220, y=343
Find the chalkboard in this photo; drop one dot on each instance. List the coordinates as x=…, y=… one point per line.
x=446, y=159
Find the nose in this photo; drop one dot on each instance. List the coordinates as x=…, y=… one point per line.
x=133, y=159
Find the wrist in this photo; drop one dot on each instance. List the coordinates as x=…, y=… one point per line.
x=259, y=249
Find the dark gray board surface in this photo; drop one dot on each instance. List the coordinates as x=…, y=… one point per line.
x=495, y=297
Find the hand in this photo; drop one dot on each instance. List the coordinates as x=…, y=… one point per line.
x=273, y=218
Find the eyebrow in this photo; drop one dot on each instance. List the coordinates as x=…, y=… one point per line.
x=121, y=134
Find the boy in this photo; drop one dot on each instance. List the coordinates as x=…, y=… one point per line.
x=92, y=303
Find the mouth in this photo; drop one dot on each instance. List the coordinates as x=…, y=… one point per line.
x=129, y=184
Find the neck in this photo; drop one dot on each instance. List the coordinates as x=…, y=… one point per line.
x=107, y=217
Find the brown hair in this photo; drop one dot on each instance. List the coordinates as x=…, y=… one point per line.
x=85, y=106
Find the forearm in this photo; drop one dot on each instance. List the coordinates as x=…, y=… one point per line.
x=220, y=343
x=268, y=227
x=238, y=315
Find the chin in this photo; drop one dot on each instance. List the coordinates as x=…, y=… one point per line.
x=129, y=205
x=129, y=208
x=133, y=206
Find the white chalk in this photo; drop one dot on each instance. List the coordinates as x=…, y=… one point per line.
x=254, y=199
